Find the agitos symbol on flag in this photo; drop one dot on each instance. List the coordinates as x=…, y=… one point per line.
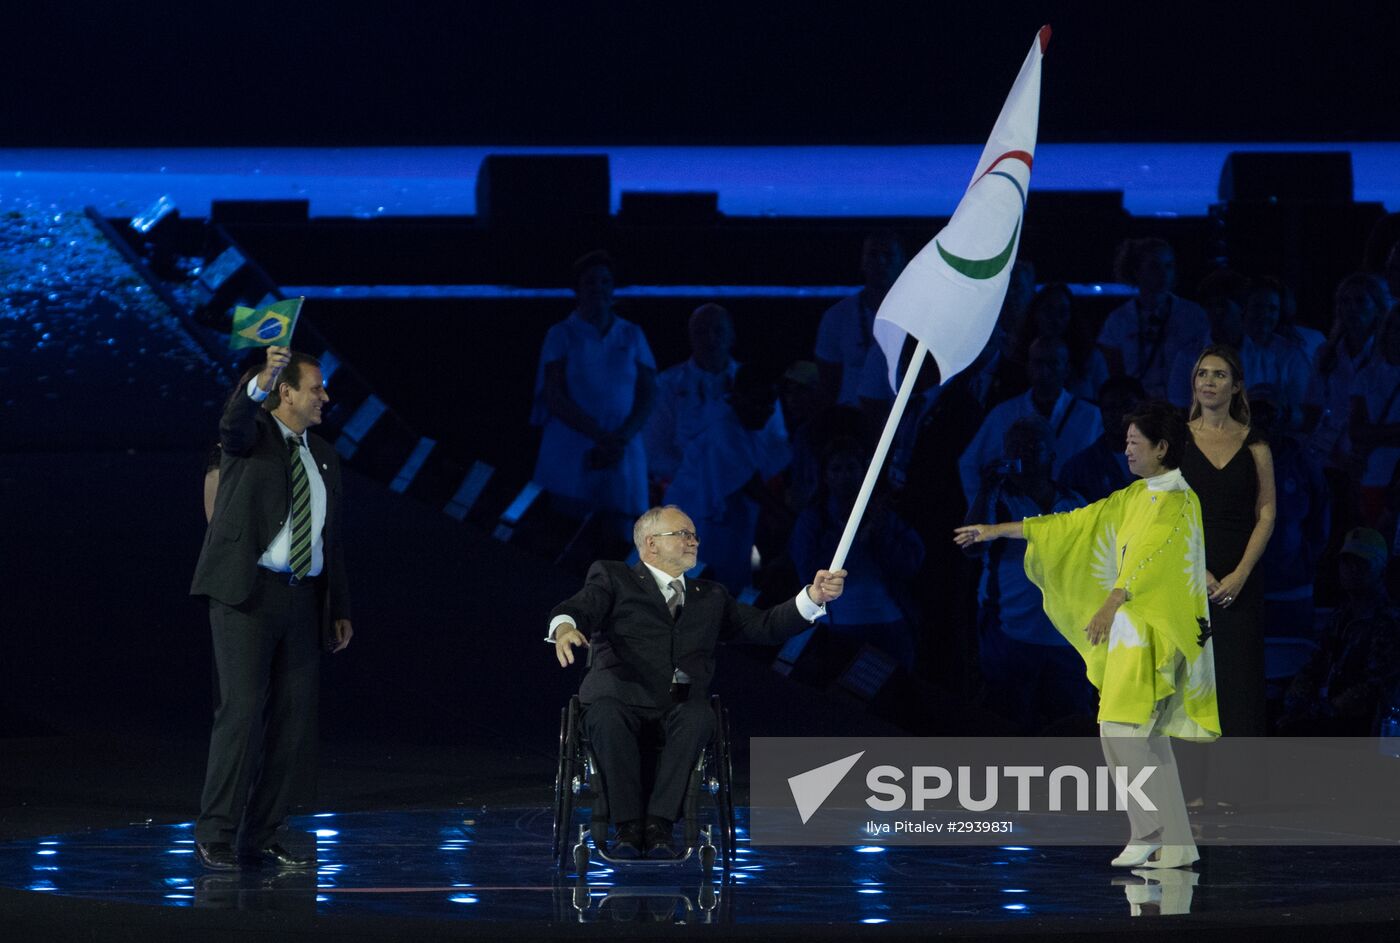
x=950, y=294
x=269, y=326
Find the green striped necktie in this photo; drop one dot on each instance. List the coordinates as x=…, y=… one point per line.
x=301, y=511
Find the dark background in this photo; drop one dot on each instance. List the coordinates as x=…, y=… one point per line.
x=312, y=72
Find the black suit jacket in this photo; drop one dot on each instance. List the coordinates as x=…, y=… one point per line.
x=636, y=646
x=252, y=504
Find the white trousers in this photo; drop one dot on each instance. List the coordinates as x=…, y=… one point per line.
x=1135, y=746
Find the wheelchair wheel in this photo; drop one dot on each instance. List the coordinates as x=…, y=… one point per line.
x=689, y=807
x=563, y=783
x=724, y=767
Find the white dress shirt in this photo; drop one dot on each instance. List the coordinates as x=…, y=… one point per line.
x=278, y=555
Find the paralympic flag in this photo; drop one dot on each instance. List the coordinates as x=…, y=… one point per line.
x=950, y=294
x=269, y=326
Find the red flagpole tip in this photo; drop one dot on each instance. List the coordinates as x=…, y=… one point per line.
x=1044, y=37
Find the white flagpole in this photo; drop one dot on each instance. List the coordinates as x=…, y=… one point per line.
x=877, y=463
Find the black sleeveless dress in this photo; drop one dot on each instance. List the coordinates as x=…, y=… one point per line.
x=1228, y=497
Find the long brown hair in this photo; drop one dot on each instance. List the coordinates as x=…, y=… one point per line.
x=1239, y=400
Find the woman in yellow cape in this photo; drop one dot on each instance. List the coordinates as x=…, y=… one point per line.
x=1124, y=581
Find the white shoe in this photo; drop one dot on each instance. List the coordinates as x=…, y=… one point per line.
x=1167, y=891
x=1142, y=895
x=1136, y=854
x=1174, y=856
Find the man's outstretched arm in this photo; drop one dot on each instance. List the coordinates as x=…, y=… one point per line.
x=776, y=625
x=582, y=612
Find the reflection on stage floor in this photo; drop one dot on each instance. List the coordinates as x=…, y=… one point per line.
x=494, y=865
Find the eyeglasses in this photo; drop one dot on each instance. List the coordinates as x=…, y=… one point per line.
x=682, y=534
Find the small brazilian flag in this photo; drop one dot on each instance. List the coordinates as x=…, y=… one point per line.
x=270, y=326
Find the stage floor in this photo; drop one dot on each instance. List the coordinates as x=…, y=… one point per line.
x=493, y=866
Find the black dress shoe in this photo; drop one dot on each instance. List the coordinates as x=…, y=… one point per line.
x=628, y=843
x=216, y=855
x=278, y=855
x=658, y=841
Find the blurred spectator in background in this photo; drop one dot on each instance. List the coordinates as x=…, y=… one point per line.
x=1267, y=357
x=800, y=401
x=1381, y=256
x=1307, y=338
x=885, y=556
x=1340, y=690
x=1074, y=422
x=1051, y=315
x=723, y=473
x=1289, y=564
x=1143, y=337
x=1390, y=524
x=1020, y=290
x=1391, y=272
x=1102, y=468
x=1392, y=570
x=844, y=337
x=689, y=394
x=1223, y=295
x=1033, y=674
x=1375, y=419
x=1358, y=305
x=593, y=392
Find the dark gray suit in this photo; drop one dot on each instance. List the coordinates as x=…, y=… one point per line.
x=267, y=634
x=636, y=648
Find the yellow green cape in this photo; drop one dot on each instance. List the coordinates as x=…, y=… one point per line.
x=1147, y=540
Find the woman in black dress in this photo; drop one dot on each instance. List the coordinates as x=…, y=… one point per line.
x=1232, y=472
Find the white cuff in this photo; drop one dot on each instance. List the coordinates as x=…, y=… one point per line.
x=808, y=609
x=256, y=393
x=554, y=625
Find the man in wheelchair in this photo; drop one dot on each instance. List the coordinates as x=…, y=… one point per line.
x=651, y=634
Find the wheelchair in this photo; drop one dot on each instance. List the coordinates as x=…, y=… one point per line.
x=579, y=782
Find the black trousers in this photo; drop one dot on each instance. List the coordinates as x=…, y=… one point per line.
x=262, y=752
x=616, y=730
